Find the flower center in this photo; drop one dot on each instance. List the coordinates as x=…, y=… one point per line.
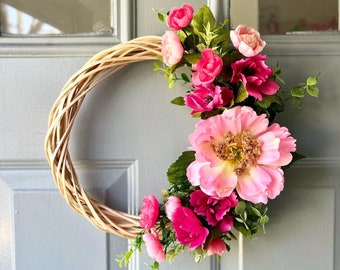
x=241, y=150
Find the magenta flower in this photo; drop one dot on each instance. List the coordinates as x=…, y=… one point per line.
x=154, y=247
x=238, y=150
x=207, y=68
x=217, y=246
x=247, y=40
x=172, y=49
x=254, y=75
x=205, y=99
x=149, y=212
x=188, y=228
x=171, y=205
x=214, y=209
x=180, y=17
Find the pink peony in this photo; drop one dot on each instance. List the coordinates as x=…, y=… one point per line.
x=180, y=17
x=207, y=68
x=247, y=40
x=172, y=49
x=205, y=99
x=149, y=212
x=171, y=205
x=214, y=209
x=217, y=246
x=237, y=150
x=154, y=247
x=188, y=228
x=254, y=75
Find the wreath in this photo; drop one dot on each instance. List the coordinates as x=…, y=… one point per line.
x=238, y=152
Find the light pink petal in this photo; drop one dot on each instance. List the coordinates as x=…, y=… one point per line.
x=246, y=50
x=269, y=150
x=252, y=186
x=276, y=184
x=234, y=39
x=193, y=172
x=218, y=181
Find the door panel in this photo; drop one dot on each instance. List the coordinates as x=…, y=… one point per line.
x=46, y=233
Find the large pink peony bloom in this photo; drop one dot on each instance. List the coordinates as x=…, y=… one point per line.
x=214, y=209
x=206, y=98
x=172, y=49
x=237, y=150
x=154, y=247
x=188, y=228
x=247, y=40
x=180, y=17
x=149, y=212
x=207, y=68
x=254, y=75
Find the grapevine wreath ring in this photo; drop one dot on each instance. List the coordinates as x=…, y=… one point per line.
x=62, y=118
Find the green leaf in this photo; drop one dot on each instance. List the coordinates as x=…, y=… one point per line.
x=240, y=208
x=242, y=94
x=178, y=101
x=298, y=91
x=240, y=227
x=312, y=80
x=313, y=90
x=264, y=220
x=297, y=102
x=203, y=17
x=155, y=266
x=256, y=211
x=192, y=58
x=190, y=42
x=177, y=170
x=160, y=17
x=185, y=77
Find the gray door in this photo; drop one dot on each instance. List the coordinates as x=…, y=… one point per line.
x=124, y=138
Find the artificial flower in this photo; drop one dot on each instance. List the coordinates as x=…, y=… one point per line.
x=238, y=150
x=171, y=205
x=188, y=228
x=214, y=209
x=255, y=76
x=205, y=98
x=172, y=49
x=154, y=247
x=216, y=246
x=247, y=40
x=149, y=212
x=180, y=17
x=207, y=68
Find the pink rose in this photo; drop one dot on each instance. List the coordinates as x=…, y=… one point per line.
x=188, y=228
x=180, y=17
x=149, y=212
x=254, y=75
x=172, y=49
x=207, y=68
x=205, y=99
x=217, y=246
x=154, y=247
x=247, y=40
x=214, y=209
x=171, y=205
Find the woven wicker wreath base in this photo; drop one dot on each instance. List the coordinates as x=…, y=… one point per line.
x=61, y=120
